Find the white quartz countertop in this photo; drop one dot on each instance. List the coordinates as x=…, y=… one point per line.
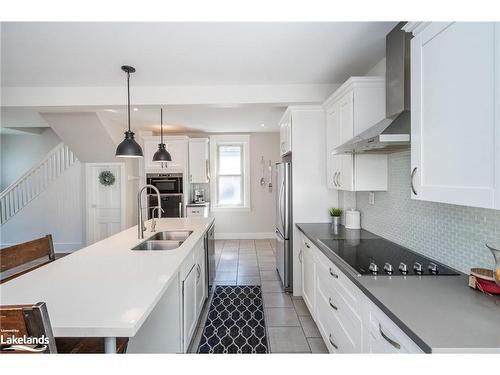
x=105, y=289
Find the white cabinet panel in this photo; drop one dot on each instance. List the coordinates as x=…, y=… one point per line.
x=455, y=125
x=176, y=146
x=201, y=294
x=189, y=305
x=198, y=161
x=354, y=107
x=286, y=133
x=384, y=336
x=308, y=275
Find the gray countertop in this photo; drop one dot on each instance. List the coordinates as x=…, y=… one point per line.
x=439, y=313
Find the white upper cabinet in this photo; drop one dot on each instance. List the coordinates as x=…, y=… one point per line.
x=177, y=146
x=357, y=105
x=286, y=133
x=199, y=172
x=455, y=99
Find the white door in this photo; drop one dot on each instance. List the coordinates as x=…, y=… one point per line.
x=105, y=202
x=454, y=97
x=198, y=161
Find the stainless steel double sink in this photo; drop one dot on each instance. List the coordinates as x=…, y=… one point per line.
x=167, y=240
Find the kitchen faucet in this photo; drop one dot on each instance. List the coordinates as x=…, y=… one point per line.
x=140, y=222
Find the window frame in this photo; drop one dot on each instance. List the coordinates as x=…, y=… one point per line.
x=242, y=141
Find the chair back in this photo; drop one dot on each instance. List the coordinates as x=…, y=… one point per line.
x=26, y=329
x=19, y=259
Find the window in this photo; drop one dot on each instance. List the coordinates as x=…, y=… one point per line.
x=230, y=157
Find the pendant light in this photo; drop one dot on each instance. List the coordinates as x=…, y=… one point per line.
x=162, y=155
x=129, y=148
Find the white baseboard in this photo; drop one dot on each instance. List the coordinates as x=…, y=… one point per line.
x=245, y=236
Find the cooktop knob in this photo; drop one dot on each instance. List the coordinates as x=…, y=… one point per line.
x=433, y=268
x=388, y=269
x=373, y=268
x=403, y=268
x=417, y=267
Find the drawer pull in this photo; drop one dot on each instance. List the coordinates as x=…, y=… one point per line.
x=307, y=245
x=332, y=343
x=334, y=274
x=332, y=305
x=388, y=339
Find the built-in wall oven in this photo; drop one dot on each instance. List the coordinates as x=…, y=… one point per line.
x=166, y=183
x=171, y=194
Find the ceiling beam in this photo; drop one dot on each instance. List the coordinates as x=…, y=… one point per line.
x=165, y=95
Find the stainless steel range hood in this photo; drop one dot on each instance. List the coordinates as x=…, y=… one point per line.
x=393, y=133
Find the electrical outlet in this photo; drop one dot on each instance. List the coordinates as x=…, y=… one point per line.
x=371, y=198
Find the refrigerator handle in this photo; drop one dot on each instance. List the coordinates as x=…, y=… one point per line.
x=281, y=203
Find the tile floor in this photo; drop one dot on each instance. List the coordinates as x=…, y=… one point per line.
x=289, y=325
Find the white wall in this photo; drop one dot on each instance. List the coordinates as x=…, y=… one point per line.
x=259, y=222
x=58, y=211
x=378, y=69
x=19, y=153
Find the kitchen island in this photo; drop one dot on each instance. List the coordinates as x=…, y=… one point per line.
x=438, y=313
x=107, y=290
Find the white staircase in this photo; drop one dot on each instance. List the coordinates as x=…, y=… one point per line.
x=35, y=181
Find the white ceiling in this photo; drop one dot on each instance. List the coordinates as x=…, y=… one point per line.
x=90, y=54
x=198, y=119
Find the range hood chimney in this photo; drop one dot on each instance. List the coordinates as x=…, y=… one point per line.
x=393, y=133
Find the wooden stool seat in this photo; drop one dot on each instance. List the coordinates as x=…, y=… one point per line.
x=87, y=345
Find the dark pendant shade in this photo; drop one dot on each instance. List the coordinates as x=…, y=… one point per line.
x=129, y=148
x=162, y=155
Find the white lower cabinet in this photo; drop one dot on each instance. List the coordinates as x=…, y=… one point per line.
x=193, y=292
x=189, y=306
x=347, y=320
x=384, y=336
x=306, y=258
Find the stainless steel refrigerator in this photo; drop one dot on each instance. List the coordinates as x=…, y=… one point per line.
x=284, y=223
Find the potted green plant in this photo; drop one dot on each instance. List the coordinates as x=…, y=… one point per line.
x=335, y=214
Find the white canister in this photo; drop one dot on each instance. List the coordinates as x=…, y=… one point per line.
x=352, y=219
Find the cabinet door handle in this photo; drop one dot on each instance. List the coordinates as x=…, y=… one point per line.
x=300, y=256
x=307, y=245
x=180, y=209
x=332, y=343
x=190, y=178
x=411, y=180
x=338, y=179
x=333, y=274
x=332, y=305
x=388, y=339
x=334, y=177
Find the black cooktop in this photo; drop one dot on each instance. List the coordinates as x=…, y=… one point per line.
x=377, y=256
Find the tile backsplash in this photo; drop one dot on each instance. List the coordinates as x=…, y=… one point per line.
x=454, y=235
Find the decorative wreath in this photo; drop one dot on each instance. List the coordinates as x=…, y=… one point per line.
x=107, y=178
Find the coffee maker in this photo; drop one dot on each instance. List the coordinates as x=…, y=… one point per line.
x=199, y=196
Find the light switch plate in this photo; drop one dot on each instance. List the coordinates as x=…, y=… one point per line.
x=371, y=198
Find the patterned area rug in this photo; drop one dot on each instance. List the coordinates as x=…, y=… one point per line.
x=235, y=322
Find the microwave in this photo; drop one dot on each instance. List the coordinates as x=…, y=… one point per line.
x=166, y=183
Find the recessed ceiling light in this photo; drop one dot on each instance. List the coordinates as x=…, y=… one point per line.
x=262, y=125
x=136, y=109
